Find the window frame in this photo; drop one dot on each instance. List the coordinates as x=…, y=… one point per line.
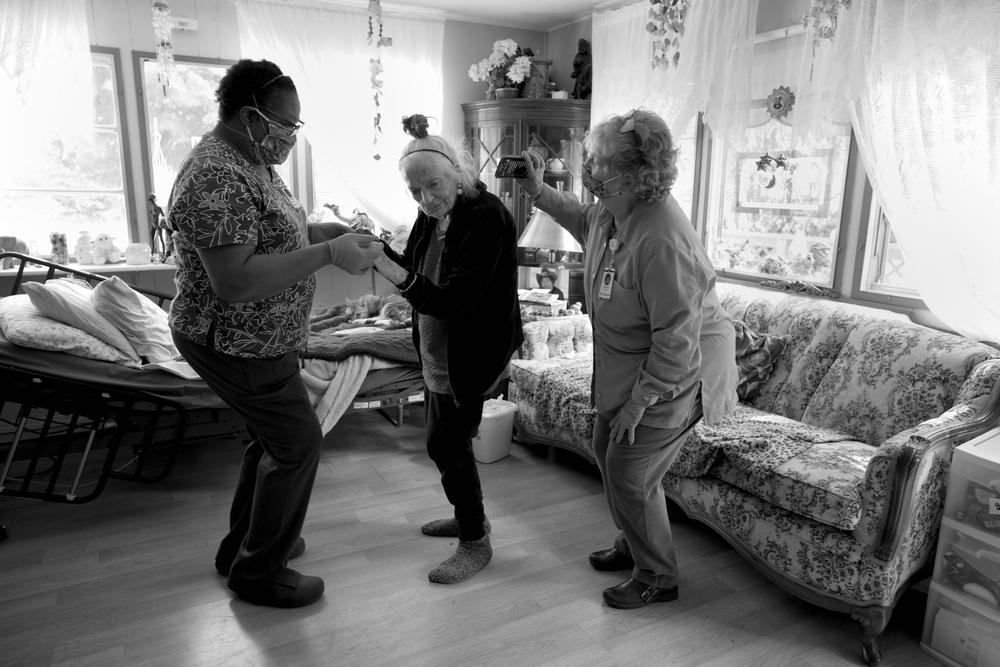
x=704, y=189
x=872, y=242
x=128, y=183
x=112, y=56
x=138, y=58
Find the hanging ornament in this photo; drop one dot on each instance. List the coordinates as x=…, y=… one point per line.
x=767, y=169
x=666, y=24
x=376, y=40
x=162, y=26
x=780, y=102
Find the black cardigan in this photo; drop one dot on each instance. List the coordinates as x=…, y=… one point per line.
x=477, y=293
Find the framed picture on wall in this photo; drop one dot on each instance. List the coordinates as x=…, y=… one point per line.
x=783, y=182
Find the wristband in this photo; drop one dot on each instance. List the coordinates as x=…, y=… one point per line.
x=407, y=282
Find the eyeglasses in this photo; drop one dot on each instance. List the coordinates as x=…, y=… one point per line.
x=284, y=126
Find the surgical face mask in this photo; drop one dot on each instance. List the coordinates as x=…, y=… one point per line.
x=276, y=144
x=599, y=187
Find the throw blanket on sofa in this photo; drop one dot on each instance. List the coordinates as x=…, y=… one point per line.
x=752, y=440
x=337, y=345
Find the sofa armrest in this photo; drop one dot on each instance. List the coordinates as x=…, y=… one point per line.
x=904, y=486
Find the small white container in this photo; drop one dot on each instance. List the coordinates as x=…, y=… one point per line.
x=492, y=443
x=138, y=253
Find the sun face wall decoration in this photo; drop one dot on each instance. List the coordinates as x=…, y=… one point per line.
x=780, y=102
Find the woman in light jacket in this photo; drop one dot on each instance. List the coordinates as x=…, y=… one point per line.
x=664, y=349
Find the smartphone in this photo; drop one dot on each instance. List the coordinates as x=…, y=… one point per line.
x=512, y=166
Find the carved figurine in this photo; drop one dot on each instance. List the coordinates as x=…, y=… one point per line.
x=582, y=71
x=159, y=233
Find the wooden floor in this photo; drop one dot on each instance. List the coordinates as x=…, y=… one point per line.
x=128, y=578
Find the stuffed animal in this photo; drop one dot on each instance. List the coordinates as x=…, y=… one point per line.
x=84, y=252
x=105, y=250
x=11, y=244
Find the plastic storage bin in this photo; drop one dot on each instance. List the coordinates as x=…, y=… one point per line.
x=492, y=443
x=959, y=631
x=962, y=621
x=968, y=563
x=974, y=484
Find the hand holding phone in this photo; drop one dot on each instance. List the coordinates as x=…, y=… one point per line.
x=512, y=166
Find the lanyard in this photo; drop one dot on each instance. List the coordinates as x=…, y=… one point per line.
x=608, y=274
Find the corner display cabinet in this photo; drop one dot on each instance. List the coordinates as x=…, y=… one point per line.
x=962, y=621
x=552, y=128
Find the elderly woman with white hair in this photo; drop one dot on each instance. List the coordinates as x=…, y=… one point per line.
x=664, y=349
x=459, y=272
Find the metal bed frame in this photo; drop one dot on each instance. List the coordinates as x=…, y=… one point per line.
x=62, y=439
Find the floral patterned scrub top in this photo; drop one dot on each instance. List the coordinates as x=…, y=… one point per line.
x=219, y=199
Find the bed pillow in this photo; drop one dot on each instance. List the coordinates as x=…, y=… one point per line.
x=68, y=301
x=22, y=324
x=143, y=323
x=756, y=355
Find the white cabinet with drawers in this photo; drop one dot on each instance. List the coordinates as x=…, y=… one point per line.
x=962, y=622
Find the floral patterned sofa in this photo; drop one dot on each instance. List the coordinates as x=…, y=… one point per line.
x=831, y=481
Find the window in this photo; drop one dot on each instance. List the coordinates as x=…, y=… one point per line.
x=72, y=184
x=775, y=202
x=174, y=120
x=884, y=271
x=687, y=168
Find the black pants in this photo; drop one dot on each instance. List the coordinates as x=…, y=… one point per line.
x=450, y=429
x=279, y=465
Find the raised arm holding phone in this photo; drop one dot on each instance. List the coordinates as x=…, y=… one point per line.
x=664, y=349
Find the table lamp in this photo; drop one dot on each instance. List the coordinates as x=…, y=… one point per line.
x=545, y=234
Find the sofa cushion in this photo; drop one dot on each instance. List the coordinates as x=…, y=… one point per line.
x=890, y=376
x=553, y=398
x=814, y=331
x=557, y=337
x=819, y=480
x=811, y=471
x=756, y=355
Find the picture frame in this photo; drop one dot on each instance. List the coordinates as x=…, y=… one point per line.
x=800, y=186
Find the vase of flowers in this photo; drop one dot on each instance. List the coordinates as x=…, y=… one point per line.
x=506, y=67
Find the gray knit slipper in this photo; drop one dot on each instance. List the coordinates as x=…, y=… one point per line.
x=447, y=527
x=469, y=558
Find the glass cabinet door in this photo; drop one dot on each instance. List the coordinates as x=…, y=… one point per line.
x=487, y=144
x=561, y=147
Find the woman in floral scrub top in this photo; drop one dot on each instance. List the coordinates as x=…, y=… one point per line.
x=246, y=260
x=664, y=349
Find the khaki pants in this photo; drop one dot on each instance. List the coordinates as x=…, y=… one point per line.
x=633, y=485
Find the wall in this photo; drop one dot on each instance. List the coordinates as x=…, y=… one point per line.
x=126, y=25
x=464, y=45
x=563, y=45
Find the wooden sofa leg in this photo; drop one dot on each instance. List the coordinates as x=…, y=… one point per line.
x=873, y=621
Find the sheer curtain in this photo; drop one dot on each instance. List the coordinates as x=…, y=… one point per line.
x=45, y=71
x=925, y=104
x=713, y=74
x=324, y=48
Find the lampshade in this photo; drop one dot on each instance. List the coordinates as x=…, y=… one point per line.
x=544, y=232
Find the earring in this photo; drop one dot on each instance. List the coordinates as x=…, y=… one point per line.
x=459, y=189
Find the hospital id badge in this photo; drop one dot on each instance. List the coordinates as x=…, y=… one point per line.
x=607, y=280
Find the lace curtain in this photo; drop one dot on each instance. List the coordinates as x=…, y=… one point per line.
x=712, y=76
x=924, y=91
x=324, y=48
x=45, y=70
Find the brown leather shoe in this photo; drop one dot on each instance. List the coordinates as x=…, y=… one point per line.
x=286, y=589
x=632, y=594
x=611, y=560
x=222, y=565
